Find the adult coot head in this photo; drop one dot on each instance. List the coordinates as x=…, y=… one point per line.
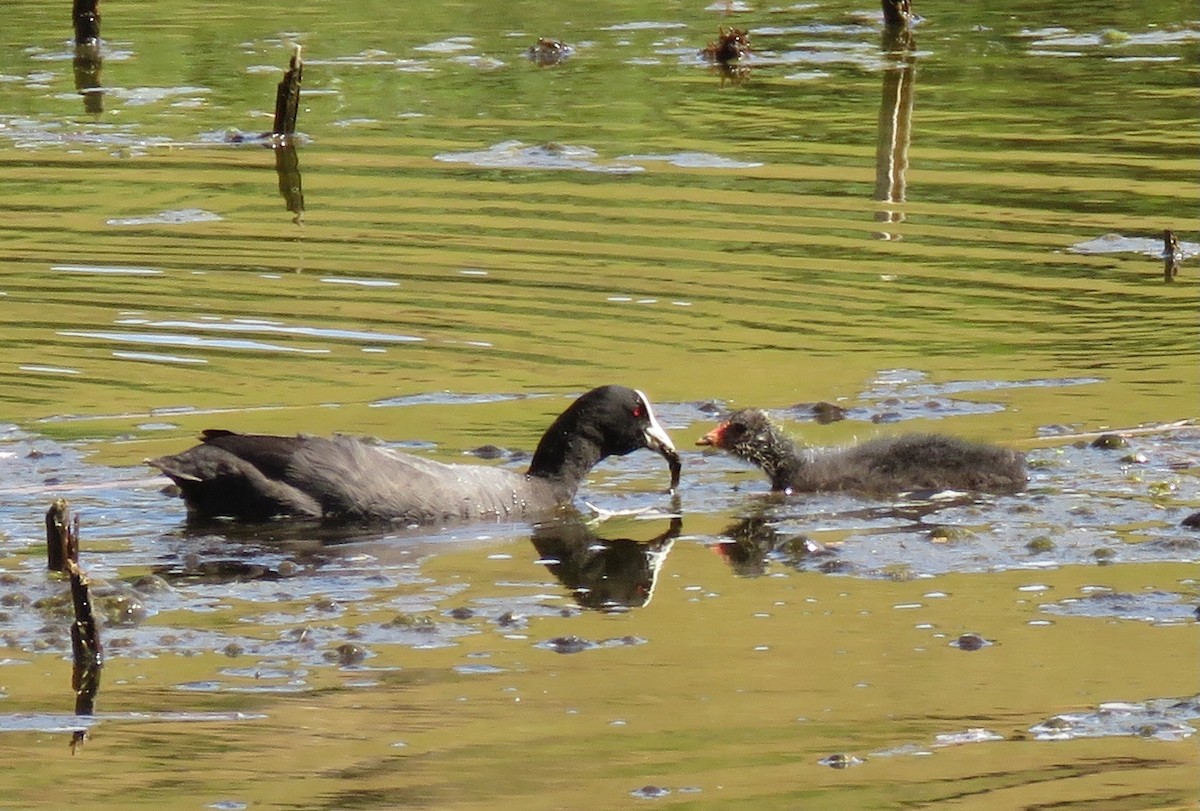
x=606, y=421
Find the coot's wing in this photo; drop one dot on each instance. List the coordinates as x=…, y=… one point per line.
x=238, y=476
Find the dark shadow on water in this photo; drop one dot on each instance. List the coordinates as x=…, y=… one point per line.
x=752, y=544
x=895, y=124
x=224, y=551
x=284, y=532
x=287, y=167
x=88, y=62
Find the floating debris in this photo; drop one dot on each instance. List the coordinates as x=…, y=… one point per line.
x=1040, y=544
x=546, y=52
x=567, y=644
x=828, y=412
x=840, y=760
x=347, y=654
x=971, y=642
x=1109, y=442
x=1163, y=719
x=1159, y=607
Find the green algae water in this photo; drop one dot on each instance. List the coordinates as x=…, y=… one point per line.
x=958, y=230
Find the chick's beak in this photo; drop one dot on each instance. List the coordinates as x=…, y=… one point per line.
x=713, y=437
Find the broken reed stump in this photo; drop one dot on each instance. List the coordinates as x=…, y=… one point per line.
x=86, y=15
x=897, y=13
x=87, y=654
x=287, y=108
x=1171, y=256
x=280, y=139
x=287, y=97
x=62, y=538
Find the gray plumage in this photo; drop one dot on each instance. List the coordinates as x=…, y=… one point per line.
x=256, y=477
x=881, y=466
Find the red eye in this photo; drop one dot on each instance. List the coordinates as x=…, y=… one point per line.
x=639, y=411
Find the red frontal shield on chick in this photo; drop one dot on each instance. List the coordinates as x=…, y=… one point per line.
x=715, y=437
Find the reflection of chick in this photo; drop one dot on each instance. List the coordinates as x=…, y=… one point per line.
x=750, y=542
x=602, y=574
x=754, y=541
x=878, y=467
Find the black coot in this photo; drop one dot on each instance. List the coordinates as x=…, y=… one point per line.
x=255, y=477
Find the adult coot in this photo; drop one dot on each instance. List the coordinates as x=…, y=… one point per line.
x=254, y=477
x=878, y=467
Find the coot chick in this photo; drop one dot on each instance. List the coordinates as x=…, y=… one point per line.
x=255, y=477
x=878, y=467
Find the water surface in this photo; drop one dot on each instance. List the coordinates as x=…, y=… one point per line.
x=954, y=231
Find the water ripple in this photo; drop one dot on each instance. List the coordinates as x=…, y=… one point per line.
x=275, y=328
x=186, y=341
x=517, y=155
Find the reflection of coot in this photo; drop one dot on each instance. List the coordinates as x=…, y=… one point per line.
x=603, y=574
x=878, y=467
